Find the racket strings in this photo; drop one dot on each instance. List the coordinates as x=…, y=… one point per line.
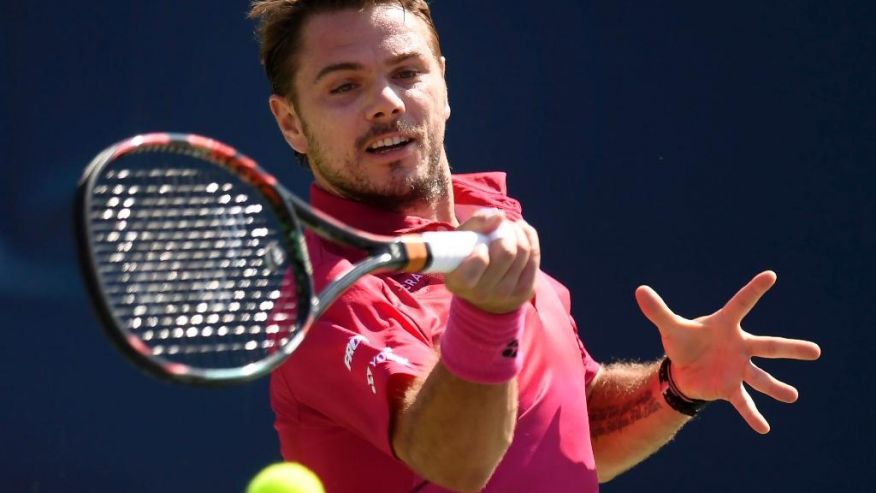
x=191, y=264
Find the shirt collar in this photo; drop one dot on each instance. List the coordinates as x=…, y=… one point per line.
x=471, y=192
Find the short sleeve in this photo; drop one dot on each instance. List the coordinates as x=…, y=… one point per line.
x=348, y=368
x=591, y=367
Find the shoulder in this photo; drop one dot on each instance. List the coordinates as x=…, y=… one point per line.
x=560, y=289
x=476, y=190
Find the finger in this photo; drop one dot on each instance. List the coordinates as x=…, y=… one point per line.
x=483, y=221
x=468, y=274
x=779, y=347
x=765, y=383
x=502, y=253
x=532, y=234
x=507, y=284
x=744, y=405
x=744, y=300
x=526, y=283
x=654, y=308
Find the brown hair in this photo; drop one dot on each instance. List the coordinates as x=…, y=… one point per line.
x=279, y=31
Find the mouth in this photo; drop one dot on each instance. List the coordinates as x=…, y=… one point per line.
x=388, y=144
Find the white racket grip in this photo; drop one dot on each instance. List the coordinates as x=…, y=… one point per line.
x=450, y=248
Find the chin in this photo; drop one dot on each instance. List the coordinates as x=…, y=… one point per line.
x=407, y=172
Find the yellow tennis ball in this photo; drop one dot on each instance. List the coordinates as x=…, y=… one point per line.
x=285, y=477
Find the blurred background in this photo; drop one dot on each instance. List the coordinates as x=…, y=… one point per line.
x=685, y=145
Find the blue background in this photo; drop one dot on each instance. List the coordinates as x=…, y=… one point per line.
x=686, y=145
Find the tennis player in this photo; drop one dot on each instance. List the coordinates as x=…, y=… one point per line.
x=476, y=380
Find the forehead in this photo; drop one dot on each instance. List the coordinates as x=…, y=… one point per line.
x=355, y=35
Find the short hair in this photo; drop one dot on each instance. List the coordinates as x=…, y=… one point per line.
x=279, y=25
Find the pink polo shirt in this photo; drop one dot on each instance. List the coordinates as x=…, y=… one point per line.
x=334, y=397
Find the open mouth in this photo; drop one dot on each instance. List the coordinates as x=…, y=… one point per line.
x=388, y=144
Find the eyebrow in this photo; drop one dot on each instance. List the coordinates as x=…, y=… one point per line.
x=339, y=67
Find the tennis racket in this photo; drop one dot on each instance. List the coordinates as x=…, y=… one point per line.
x=196, y=263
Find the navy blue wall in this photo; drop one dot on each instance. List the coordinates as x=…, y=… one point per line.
x=686, y=146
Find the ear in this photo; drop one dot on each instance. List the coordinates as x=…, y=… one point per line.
x=443, y=62
x=289, y=122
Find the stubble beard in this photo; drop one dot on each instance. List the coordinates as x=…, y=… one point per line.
x=402, y=193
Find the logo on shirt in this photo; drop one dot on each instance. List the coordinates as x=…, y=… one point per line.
x=411, y=280
x=388, y=355
x=352, y=344
x=381, y=358
x=370, y=378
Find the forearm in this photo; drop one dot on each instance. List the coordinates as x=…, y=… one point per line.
x=455, y=427
x=629, y=419
x=454, y=432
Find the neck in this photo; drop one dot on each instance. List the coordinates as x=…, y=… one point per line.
x=438, y=209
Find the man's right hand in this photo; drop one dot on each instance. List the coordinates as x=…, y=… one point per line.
x=498, y=277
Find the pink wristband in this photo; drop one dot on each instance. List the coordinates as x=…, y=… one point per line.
x=482, y=347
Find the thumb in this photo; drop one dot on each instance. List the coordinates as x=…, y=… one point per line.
x=483, y=221
x=653, y=307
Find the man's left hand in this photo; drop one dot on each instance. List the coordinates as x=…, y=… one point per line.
x=711, y=355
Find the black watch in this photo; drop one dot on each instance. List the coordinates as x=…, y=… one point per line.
x=673, y=396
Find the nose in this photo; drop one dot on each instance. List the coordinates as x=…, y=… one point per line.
x=387, y=103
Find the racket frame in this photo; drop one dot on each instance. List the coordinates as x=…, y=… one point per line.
x=403, y=254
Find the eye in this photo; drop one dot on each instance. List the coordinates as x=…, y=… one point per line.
x=343, y=88
x=407, y=74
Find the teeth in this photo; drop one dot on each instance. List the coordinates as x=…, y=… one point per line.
x=389, y=141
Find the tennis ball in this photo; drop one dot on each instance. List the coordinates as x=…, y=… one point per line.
x=285, y=477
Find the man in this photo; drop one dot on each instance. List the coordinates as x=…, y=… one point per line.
x=475, y=380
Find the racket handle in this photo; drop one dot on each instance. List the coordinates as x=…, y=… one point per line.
x=449, y=248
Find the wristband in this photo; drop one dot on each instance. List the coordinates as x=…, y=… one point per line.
x=482, y=347
x=673, y=396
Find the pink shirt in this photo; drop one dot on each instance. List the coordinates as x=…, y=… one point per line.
x=333, y=398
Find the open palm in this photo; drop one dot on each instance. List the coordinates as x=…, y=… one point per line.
x=711, y=355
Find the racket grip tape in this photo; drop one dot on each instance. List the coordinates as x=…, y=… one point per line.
x=447, y=249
